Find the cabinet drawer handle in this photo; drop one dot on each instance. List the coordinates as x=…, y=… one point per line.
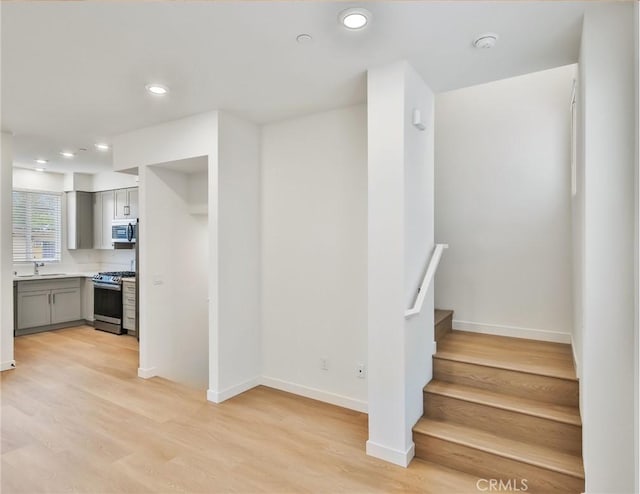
x=54, y=298
x=49, y=298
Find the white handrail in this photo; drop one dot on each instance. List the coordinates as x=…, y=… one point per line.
x=428, y=278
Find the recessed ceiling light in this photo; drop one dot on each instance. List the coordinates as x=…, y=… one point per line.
x=157, y=89
x=354, y=18
x=67, y=154
x=41, y=161
x=102, y=147
x=486, y=40
x=304, y=39
x=39, y=169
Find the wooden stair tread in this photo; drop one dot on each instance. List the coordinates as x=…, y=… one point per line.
x=529, y=356
x=440, y=315
x=558, y=413
x=522, y=452
x=447, y=478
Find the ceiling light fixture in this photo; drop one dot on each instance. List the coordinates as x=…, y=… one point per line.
x=354, y=18
x=304, y=39
x=157, y=89
x=40, y=161
x=67, y=154
x=102, y=147
x=39, y=169
x=486, y=40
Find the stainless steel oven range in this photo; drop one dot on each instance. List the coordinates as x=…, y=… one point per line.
x=107, y=300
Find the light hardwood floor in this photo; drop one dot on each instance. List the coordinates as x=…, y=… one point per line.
x=76, y=418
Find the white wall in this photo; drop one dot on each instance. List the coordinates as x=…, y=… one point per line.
x=6, y=254
x=24, y=178
x=236, y=340
x=171, y=141
x=190, y=137
x=503, y=205
x=314, y=286
x=32, y=180
x=176, y=268
x=231, y=148
x=607, y=386
x=400, y=239
x=418, y=239
x=636, y=345
x=78, y=181
x=111, y=180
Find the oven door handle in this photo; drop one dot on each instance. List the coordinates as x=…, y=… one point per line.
x=106, y=286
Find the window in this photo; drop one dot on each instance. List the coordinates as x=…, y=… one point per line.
x=37, y=226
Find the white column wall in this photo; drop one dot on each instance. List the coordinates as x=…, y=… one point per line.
x=236, y=342
x=195, y=136
x=400, y=225
x=636, y=18
x=232, y=148
x=419, y=240
x=6, y=254
x=607, y=385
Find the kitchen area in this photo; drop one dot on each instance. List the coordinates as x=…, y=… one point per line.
x=75, y=252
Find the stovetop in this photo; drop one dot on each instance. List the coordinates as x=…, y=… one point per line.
x=113, y=277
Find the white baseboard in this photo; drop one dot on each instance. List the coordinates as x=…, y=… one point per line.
x=148, y=372
x=512, y=331
x=230, y=392
x=8, y=365
x=576, y=363
x=402, y=458
x=316, y=394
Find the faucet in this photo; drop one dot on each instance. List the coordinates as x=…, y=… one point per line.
x=37, y=265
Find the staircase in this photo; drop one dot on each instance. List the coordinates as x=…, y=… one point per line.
x=503, y=408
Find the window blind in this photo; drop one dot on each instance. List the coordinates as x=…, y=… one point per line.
x=37, y=226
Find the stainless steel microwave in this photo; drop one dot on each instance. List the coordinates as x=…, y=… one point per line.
x=123, y=231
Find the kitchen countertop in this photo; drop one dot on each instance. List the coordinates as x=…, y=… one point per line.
x=54, y=276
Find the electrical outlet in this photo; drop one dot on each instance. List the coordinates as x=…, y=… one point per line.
x=361, y=371
x=324, y=363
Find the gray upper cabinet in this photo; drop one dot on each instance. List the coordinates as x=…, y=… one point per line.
x=103, y=214
x=80, y=220
x=133, y=203
x=126, y=204
x=109, y=205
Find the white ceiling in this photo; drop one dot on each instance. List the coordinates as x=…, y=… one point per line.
x=73, y=73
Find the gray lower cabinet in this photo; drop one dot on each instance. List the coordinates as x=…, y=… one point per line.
x=129, y=306
x=34, y=308
x=66, y=305
x=48, y=303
